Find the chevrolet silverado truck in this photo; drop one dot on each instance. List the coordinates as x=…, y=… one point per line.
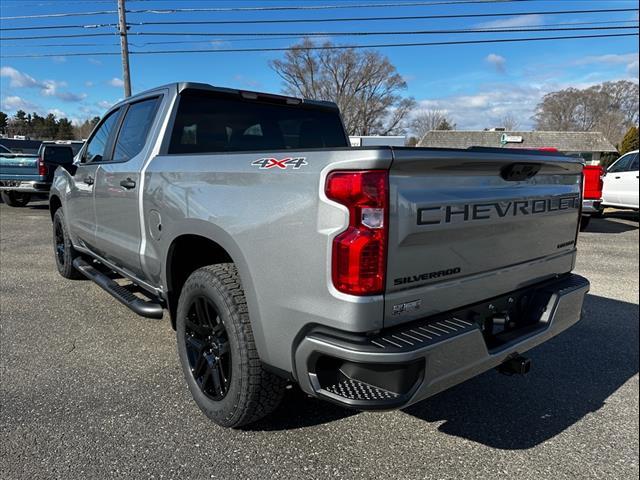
x=24, y=176
x=371, y=277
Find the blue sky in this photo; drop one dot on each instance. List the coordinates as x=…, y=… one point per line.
x=475, y=84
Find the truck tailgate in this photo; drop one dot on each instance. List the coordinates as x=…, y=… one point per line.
x=19, y=167
x=465, y=226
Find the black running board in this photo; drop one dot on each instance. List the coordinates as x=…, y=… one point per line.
x=142, y=307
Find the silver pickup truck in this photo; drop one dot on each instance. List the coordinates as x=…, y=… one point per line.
x=370, y=277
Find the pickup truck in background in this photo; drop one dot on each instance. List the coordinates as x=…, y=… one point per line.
x=371, y=277
x=592, y=193
x=23, y=176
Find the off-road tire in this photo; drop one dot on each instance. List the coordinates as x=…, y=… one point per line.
x=16, y=199
x=253, y=392
x=64, y=259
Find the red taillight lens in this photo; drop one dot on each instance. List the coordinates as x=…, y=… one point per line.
x=42, y=168
x=360, y=252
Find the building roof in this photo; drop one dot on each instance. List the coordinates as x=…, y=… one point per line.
x=563, y=141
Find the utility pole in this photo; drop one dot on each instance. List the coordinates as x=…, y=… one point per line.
x=124, y=47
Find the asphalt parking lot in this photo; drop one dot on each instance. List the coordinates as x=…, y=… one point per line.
x=89, y=390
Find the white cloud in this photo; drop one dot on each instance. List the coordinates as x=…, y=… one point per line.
x=95, y=61
x=57, y=113
x=88, y=84
x=498, y=62
x=609, y=59
x=48, y=88
x=104, y=104
x=628, y=59
x=13, y=102
x=517, y=21
x=59, y=59
x=116, y=82
x=18, y=79
x=486, y=108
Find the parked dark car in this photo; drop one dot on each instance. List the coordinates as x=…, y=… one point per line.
x=23, y=176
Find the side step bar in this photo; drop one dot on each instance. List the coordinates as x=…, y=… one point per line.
x=142, y=307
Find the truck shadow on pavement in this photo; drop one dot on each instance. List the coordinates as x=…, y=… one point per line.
x=572, y=376
x=611, y=223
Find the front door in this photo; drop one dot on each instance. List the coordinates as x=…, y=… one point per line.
x=79, y=205
x=117, y=189
x=629, y=184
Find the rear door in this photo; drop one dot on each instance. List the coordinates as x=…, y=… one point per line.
x=465, y=226
x=79, y=202
x=629, y=183
x=118, y=234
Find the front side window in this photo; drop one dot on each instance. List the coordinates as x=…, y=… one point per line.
x=135, y=128
x=633, y=166
x=207, y=123
x=622, y=165
x=97, y=146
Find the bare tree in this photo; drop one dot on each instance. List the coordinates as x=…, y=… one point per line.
x=426, y=120
x=510, y=122
x=365, y=85
x=610, y=107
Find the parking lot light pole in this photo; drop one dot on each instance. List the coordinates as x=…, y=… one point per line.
x=124, y=47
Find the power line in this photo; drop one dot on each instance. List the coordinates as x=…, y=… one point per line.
x=331, y=20
x=397, y=32
x=370, y=19
x=50, y=27
x=264, y=9
x=324, y=47
x=340, y=34
x=249, y=38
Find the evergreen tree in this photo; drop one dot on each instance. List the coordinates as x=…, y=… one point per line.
x=3, y=122
x=65, y=130
x=630, y=141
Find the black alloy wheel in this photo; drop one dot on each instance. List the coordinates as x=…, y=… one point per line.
x=207, y=347
x=58, y=239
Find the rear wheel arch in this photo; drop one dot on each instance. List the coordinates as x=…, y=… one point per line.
x=200, y=244
x=185, y=255
x=54, y=205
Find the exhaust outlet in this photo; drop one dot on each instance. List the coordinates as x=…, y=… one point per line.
x=517, y=365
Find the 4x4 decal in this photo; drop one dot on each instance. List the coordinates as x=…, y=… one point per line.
x=284, y=163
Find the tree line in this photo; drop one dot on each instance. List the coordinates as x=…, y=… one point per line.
x=49, y=127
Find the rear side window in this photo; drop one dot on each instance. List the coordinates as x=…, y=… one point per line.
x=135, y=128
x=97, y=147
x=208, y=123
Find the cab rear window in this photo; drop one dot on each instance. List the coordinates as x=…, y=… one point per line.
x=208, y=123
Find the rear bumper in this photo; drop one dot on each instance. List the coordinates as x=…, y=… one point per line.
x=403, y=365
x=31, y=186
x=591, y=206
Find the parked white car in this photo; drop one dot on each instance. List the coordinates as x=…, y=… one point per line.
x=620, y=188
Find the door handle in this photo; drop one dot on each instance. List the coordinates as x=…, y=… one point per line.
x=617, y=178
x=128, y=183
x=88, y=180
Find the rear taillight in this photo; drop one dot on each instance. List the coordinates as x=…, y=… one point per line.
x=359, y=253
x=42, y=168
